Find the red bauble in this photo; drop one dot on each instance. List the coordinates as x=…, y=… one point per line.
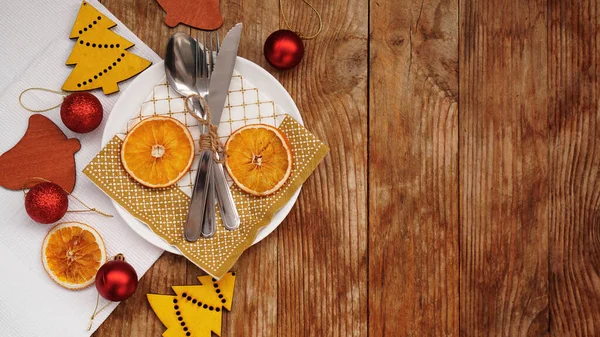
x=46, y=202
x=116, y=280
x=284, y=49
x=81, y=112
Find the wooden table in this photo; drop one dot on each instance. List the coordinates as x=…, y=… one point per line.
x=461, y=195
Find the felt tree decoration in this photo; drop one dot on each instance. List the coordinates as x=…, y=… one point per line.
x=43, y=152
x=99, y=54
x=195, y=310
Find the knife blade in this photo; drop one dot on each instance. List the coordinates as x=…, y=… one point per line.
x=221, y=75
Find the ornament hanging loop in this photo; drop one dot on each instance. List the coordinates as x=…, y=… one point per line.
x=96, y=311
x=62, y=93
x=31, y=180
x=304, y=37
x=119, y=257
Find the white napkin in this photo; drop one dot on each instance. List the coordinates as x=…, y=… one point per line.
x=34, y=47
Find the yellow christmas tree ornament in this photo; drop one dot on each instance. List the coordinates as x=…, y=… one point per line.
x=195, y=310
x=100, y=56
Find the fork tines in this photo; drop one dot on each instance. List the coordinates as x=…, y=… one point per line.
x=207, y=48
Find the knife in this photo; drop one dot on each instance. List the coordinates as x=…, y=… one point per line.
x=218, y=90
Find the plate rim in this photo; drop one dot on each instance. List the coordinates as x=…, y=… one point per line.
x=242, y=66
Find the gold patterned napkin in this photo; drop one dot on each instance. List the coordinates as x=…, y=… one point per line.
x=165, y=210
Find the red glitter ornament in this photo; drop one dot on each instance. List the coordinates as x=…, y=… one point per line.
x=81, y=112
x=46, y=202
x=284, y=49
x=116, y=280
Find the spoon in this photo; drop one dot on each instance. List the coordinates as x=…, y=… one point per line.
x=180, y=68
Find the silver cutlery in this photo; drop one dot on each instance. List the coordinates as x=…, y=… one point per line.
x=181, y=64
x=218, y=90
x=189, y=70
x=204, y=68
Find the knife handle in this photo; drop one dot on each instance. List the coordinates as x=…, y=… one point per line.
x=229, y=213
x=209, y=226
x=193, y=224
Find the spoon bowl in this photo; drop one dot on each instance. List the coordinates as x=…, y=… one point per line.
x=180, y=63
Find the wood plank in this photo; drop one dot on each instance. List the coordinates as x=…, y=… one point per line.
x=134, y=317
x=322, y=245
x=145, y=19
x=503, y=168
x=254, y=311
x=574, y=122
x=413, y=175
x=254, y=308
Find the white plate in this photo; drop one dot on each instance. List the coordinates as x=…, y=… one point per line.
x=137, y=92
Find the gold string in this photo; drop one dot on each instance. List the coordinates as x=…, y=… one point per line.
x=41, y=89
x=209, y=140
x=89, y=209
x=30, y=180
x=290, y=28
x=96, y=312
x=120, y=257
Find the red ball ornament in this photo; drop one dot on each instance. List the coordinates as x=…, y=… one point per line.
x=284, y=49
x=81, y=112
x=116, y=280
x=46, y=202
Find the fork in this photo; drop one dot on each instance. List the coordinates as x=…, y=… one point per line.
x=204, y=67
x=227, y=208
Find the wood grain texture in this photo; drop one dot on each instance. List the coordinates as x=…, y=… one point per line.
x=574, y=172
x=461, y=193
x=503, y=169
x=254, y=310
x=256, y=284
x=145, y=19
x=322, y=245
x=298, y=273
x=413, y=176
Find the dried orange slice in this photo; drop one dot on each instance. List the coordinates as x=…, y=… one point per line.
x=72, y=253
x=259, y=159
x=158, y=151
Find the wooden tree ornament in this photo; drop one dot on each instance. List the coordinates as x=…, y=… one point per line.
x=99, y=54
x=44, y=152
x=201, y=14
x=195, y=310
